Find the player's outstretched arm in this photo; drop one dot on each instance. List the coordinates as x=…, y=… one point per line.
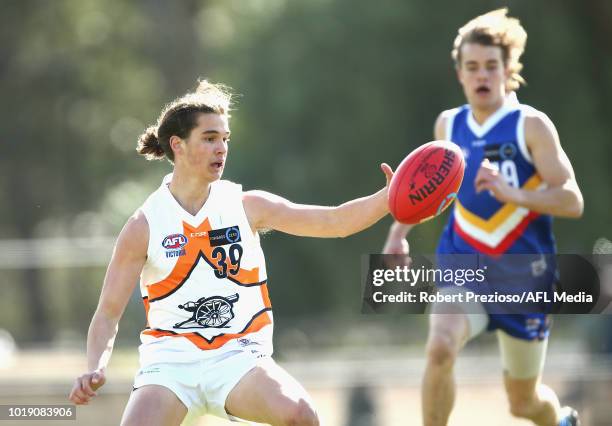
x=122, y=275
x=562, y=196
x=269, y=211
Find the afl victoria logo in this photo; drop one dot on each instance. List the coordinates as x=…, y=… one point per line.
x=174, y=241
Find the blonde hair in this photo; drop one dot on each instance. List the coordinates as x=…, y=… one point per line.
x=496, y=29
x=179, y=118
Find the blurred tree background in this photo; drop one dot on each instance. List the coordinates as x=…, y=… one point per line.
x=328, y=89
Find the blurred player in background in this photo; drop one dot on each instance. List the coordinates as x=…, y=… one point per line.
x=194, y=244
x=517, y=177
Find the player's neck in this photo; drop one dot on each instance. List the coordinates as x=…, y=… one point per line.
x=191, y=192
x=481, y=114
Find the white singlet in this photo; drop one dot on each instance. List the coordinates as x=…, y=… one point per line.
x=204, y=283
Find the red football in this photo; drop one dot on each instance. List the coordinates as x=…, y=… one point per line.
x=426, y=182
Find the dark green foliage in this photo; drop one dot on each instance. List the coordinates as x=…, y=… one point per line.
x=330, y=89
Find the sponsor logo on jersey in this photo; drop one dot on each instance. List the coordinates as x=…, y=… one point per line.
x=174, y=244
x=199, y=234
x=220, y=237
x=500, y=152
x=507, y=151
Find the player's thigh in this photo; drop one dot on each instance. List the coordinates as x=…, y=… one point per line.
x=268, y=394
x=522, y=360
x=153, y=405
x=449, y=326
x=456, y=316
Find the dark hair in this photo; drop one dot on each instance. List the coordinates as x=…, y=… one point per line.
x=179, y=118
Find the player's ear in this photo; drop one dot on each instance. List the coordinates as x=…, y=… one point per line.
x=176, y=144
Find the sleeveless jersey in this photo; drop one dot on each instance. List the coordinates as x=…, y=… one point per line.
x=479, y=223
x=204, y=283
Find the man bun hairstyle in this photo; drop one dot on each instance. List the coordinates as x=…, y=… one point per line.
x=149, y=146
x=179, y=118
x=495, y=28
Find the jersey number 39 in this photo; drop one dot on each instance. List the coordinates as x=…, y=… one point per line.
x=221, y=258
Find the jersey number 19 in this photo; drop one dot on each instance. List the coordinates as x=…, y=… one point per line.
x=508, y=170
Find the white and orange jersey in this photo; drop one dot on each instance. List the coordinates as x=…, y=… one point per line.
x=204, y=283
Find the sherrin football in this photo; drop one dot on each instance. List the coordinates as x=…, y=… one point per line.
x=426, y=182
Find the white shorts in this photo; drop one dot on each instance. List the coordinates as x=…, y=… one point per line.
x=202, y=386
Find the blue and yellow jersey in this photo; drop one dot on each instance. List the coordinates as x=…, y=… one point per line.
x=479, y=223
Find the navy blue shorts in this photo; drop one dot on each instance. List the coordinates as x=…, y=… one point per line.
x=509, y=275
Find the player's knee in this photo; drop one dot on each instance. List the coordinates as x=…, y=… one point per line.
x=442, y=349
x=302, y=414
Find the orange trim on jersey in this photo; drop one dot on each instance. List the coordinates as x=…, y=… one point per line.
x=197, y=244
x=491, y=224
x=265, y=296
x=258, y=322
x=145, y=302
x=504, y=244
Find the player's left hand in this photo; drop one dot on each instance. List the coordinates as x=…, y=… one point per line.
x=489, y=178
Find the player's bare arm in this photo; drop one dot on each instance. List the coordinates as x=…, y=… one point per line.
x=122, y=275
x=562, y=196
x=268, y=211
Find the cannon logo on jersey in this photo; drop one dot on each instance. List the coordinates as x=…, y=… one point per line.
x=174, y=244
x=209, y=312
x=221, y=237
